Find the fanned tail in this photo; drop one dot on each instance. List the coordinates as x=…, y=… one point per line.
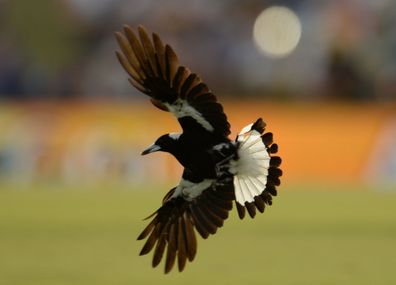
x=257, y=170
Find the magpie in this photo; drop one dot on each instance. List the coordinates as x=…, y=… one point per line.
x=218, y=171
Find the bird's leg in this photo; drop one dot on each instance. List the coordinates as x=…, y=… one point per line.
x=222, y=154
x=223, y=168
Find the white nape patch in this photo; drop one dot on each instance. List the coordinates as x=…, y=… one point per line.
x=190, y=190
x=175, y=136
x=252, y=166
x=181, y=108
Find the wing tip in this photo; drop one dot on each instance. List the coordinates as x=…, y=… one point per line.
x=142, y=31
x=126, y=28
x=118, y=35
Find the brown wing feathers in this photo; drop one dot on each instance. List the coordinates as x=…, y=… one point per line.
x=154, y=70
x=172, y=227
x=274, y=172
x=151, y=66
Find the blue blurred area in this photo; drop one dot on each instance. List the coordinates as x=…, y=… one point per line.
x=65, y=48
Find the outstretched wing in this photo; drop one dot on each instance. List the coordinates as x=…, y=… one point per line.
x=154, y=70
x=191, y=206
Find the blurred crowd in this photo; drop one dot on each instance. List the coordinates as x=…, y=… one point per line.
x=65, y=48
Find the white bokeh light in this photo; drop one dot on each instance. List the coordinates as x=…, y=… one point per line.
x=277, y=31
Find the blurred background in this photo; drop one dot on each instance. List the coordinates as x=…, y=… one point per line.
x=74, y=187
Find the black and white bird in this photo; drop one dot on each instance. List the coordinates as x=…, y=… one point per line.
x=217, y=170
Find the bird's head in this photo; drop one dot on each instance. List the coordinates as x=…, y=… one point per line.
x=167, y=143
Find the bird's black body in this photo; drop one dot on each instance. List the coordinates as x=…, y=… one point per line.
x=197, y=157
x=217, y=171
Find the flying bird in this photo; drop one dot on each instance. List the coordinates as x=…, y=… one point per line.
x=218, y=171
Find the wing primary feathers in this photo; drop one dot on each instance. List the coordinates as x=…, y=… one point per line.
x=160, y=53
x=224, y=195
x=172, y=63
x=138, y=86
x=152, y=239
x=221, y=203
x=172, y=246
x=148, y=229
x=190, y=237
x=198, y=225
x=160, y=247
x=170, y=259
x=182, y=250
x=153, y=69
x=148, y=49
x=218, y=208
x=205, y=221
x=130, y=55
x=128, y=67
x=217, y=221
x=138, y=50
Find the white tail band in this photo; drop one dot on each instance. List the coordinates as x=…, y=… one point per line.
x=251, y=167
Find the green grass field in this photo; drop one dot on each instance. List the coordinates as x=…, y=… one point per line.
x=87, y=236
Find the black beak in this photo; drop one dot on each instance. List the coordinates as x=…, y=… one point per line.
x=151, y=148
